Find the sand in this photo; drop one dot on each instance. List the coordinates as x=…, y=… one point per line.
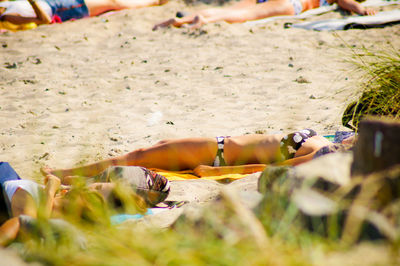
x=99, y=87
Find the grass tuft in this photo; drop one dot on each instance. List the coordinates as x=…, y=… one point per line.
x=380, y=86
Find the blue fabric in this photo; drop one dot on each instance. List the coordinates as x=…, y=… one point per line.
x=68, y=9
x=7, y=173
x=323, y=3
x=119, y=218
x=331, y=138
x=342, y=135
x=339, y=136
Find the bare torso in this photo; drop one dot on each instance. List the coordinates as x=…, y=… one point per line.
x=252, y=149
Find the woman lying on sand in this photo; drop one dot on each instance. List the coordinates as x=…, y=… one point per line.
x=48, y=11
x=213, y=156
x=257, y=9
x=21, y=200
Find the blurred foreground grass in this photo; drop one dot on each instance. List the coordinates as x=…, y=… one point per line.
x=220, y=234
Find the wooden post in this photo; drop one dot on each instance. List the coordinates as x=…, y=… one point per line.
x=377, y=147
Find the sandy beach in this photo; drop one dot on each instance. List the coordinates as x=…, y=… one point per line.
x=90, y=89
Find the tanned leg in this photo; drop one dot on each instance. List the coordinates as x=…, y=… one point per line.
x=180, y=154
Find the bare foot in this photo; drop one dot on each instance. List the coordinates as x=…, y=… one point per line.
x=198, y=21
x=165, y=24
x=45, y=170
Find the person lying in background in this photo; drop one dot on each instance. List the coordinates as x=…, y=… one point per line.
x=246, y=10
x=213, y=156
x=48, y=11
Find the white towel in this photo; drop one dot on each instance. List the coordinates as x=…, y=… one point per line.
x=321, y=10
x=381, y=18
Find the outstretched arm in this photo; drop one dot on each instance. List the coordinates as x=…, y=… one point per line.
x=205, y=170
x=353, y=6
x=42, y=16
x=298, y=160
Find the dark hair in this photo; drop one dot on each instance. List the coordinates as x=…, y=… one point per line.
x=125, y=199
x=115, y=200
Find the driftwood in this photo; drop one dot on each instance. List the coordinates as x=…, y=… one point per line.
x=378, y=146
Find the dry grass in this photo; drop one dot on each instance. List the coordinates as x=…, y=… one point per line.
x=380, y=86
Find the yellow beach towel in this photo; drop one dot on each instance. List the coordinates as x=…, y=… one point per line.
x=5, y=25
x=185, y=175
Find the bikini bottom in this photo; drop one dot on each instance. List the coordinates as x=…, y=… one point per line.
x=297, y=5
x=219, y=158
